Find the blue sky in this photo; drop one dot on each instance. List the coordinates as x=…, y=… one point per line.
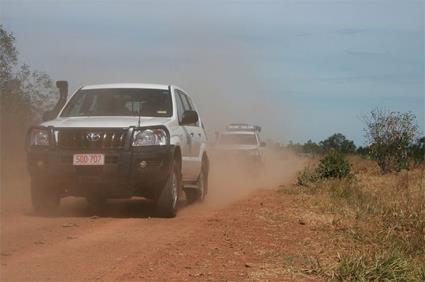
x=301, y=69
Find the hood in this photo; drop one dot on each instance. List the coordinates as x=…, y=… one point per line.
x=106, y=121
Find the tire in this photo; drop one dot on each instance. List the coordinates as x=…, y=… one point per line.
x=198, y=195
x=43, y=196
x=167, y=201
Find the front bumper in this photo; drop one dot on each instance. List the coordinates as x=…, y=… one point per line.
x=238, y=156
x=121, y=176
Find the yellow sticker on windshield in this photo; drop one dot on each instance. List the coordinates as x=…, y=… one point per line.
x=161, y=112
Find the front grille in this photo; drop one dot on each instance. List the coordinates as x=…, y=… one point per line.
x=89, y=170
x=151, y=162
x=91, y=138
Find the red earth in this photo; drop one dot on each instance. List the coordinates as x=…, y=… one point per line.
x=246, y=230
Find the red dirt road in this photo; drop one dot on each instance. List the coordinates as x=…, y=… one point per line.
x=236, y=235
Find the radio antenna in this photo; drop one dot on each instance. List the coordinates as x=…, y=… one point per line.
x=140, y=114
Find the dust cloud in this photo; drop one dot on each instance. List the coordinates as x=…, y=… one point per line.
x=222, y=75
x=225, y=82
x=14, y=178
x=230, y=183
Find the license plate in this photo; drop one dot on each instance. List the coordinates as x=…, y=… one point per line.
x=89, y=159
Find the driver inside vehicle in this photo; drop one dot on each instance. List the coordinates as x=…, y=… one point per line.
x=155, y=105
x=112, y=105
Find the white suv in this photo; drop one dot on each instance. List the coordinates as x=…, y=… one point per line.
x=119, y=141
x=241, y=143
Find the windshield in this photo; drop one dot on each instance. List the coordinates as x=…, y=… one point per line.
x=238, y=139
x=120, y=102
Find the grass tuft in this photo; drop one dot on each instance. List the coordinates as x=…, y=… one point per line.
x=383, y=267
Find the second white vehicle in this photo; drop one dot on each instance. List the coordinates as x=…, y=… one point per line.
x=241, y=143
x=119, y=141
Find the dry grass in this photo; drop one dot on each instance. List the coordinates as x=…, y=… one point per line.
x=380, y=219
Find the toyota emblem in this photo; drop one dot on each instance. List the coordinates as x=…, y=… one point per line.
x=93, y=136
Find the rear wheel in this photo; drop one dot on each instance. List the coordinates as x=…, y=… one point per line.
x=199, y=193
x=43, y=196
x=167, y=200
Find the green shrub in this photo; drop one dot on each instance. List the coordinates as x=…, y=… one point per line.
x=307, y=176
x=333, y=165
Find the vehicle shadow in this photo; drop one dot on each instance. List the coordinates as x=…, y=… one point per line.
x=114, y=208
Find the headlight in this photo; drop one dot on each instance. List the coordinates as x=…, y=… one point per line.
x=150, y=137
x=40, y=137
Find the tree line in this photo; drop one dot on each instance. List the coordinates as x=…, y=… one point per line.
x=337, y=142
x=393, y=139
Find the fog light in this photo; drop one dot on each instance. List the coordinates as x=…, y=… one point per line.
x=143, y=164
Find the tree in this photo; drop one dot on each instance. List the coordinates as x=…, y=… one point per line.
x=417, y=151
x=24, y=95
x=311, y=148
x=22, y=89
x=39, y=88
x=8, y=55
x=295, y=147
x=338, y=142
x=389, y=135
x=363, y=151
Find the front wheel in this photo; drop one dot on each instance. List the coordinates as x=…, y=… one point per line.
x=167, y=201
x=96, y=203
x=44, y=198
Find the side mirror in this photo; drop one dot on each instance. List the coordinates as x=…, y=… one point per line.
x=189, y=117
x=49, y=115
x=263, y=144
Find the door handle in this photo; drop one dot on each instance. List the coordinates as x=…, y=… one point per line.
x=199, y=134
x=191, y=134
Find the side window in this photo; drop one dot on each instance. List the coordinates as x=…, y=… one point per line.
x=189, y=102
x=179, y=104
x=77, y=105
x=188, y=105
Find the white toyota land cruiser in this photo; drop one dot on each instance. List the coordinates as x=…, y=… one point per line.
x=241, y=143
x=119, y=141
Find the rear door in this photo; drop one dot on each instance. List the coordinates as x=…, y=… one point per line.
x=190, y=164
x=182, y=132
x=195, y=129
